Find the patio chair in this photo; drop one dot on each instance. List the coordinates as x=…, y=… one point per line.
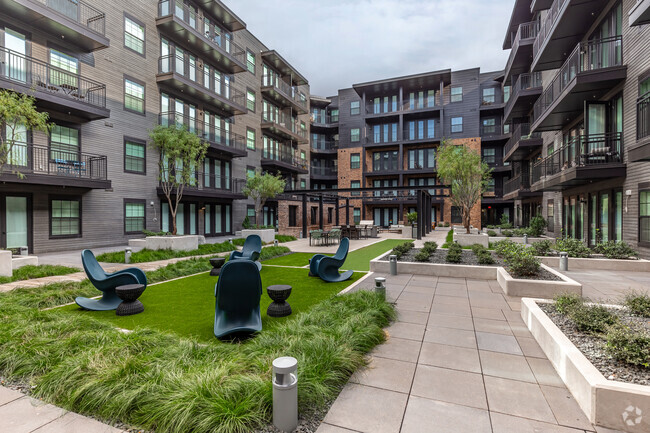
x=251, y=251
x=238, y=293
x=327, y=268
x=106, y=283
x=317, y=236
x=335, y=234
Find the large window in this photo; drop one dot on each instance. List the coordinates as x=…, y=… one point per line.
x=354, y=108
x=489, y=96
x=250, y=139
x=355, y=160
x=644, y=216
x=385, y=160
x=134, y=156
x=355, y=184
x=64, y=143
x=133, y=96
x=134, y=35
x=65, y=217
x=67, y=68
x=421, y=158
x=456, y=124
x=134, y=216
x=420, y=129
x=489, y=156
x=355, y=135
x=250, y=100
x=250, y=61
x=456, y=94
x=356, y=215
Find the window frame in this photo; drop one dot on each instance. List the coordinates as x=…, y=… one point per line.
x=355, y=111
x=76, y=127
x=144, y=159
x=355, y=193
x=144, y=33
x=76, y=198
x=249, y=92
x=141, y=201
x=358, y=135
x=293, y=216
x=451, y=94
x=355, y=165
x=643, y=188
x=249, y=130
x=254, y=61
x=144, y=95
x=451, y=122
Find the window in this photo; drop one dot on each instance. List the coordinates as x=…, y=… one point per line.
x=643, y=108
x=456, y=94
x=489, y=156
x=456, y=124
x=356, y=215
x=355, y=160
x=250, y=172
x=385, y=160
x=67, y=69
x=355, y=135
x=313, y=215
x=250, y=214
x=489, y=96
x=250, y=61
x=133, y=216
x=64, y=143
x=250, y=139
x=293, y=216
x=456, y=215
x=303, y=184
x=421, y=158
x=354, y=108
x=550, y=215
x=250, y=100
x=334, y=115
x=330, y=212
x=644, y=216
x=65, y=217
x=506, y=93
x=134, y=156
x=133, y=96
x=490, y=185
x=134, y=35
x=355, y=184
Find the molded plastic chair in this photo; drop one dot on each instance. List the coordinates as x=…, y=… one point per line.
x=327, y=268
x=238, y=294
x=106, y=283
x=251, y=251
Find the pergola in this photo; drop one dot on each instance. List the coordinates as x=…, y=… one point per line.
x=423, y=196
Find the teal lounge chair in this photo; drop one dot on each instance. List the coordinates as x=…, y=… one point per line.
x=251, y=251
x=238, y=294
x=106, y=283
x=327, y=268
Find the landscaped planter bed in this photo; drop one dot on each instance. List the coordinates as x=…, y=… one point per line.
x=599, y=262
x=607, y=403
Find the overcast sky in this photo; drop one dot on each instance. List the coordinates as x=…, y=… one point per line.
x=337, y=43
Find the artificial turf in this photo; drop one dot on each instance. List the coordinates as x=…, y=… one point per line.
x=186, y=306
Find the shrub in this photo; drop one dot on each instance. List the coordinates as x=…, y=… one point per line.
x=246, y=223
x=285, y=238
x=150, y=233
x=505, y=222
x=477, y=248
x=537, y=226
x=430, y=247
x=490, y=227
x=594, y=319
x=574, y=247
x=564, y=303
x=542, y=248
x=491, y=233
x=519, y=232
x=482, y=254
x=629, y=346
x=422, y=256
x=454, y=253
x=507, y=233
x=506, y=247
x=615, y=250
x=638, y=304
x=401, y=249
x=523, y=262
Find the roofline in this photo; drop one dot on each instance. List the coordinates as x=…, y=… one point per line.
x=296, y=73
x=403, y=78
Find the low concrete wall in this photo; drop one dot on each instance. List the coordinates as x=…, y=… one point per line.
x=517, y=239
x=20, y=261
x=466, y=240
x=600, y=264
x=178, y=243
x=6, y=269
x=437, y=270
x=537, y=288
x=267, y=235
x=607, y=403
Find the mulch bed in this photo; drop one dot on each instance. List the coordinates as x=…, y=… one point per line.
x=593, y=348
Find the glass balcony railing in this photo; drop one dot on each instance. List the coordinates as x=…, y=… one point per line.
x=289, y=92
x=324, y=119
x=325, y=145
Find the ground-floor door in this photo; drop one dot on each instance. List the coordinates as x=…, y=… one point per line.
x=16, y=221
x=385, y=216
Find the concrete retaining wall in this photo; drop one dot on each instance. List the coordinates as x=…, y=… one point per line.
x=600, y=264
x=537, y=288
x=466, y=240
x=267, y=235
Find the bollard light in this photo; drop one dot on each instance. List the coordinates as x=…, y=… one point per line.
x=380, y=287
x=564, y=261
x=275, y=243
x=230, y=240
x=285, y=393
x=393, y=264
x=127, y=255
x=525, y=238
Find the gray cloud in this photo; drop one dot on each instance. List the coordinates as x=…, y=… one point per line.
x=338, y=43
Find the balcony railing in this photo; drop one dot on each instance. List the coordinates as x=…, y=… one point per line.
x=285, y=121
x=581, y=151
x=324, y=119
x=211, y=133
x=215, y=36
x=586, y=56
x=325, y=145
x=201, y=181
x=517, y=183
x=44, y=77
x=524, y=82
x=381, y=108
x=58, y=159
x=182, y=66
x=285, y=154
x=520, y=132
x=497, y=129
x=545, y=29
x=418, y=103
x=643, y=116
x=288, y=91
x=324, y=171
x=79, y=12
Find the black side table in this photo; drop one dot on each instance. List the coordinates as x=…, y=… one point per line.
x=129, y=295
x=279, y=307
x=217, y=263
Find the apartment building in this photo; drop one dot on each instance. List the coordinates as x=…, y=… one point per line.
x=579, y=73
x=108, y=73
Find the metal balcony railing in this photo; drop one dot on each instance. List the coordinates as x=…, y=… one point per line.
x=524, y=82
x=43, y=77
x=202, y=181
x=325, y=145
x=324, y=171
x=191, y=70
x=417, y=103
x=545, y=29
x=643, y=116
x=324, y=119
x=80, y=12
x=285, y=154
x=286, y=122
x=524, y=31
x=497, y=129
x=373, y=108
x=59, y=159
x=581, y=151
x=209, y=32
x=211, y=133
x=290, y=92
x=586, y=56
x=520, y=132
x=517, y=183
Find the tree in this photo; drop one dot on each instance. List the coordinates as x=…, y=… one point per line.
x=180, y=153
x=18, y=114
x=463, y=170
x=261, y=187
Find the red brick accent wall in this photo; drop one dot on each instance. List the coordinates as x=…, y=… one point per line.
x=346, y=176
x=283, y=217
x=473, y=143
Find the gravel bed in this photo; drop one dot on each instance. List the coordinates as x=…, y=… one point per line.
x=593, y=348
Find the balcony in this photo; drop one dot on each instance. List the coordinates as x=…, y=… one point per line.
x=522, y=143
x=497, y=164
x=324, y=121
x=640, y=13
x=385, y=112
x=327, y=147
x=73, y=20
x=182, y=23
x=284, y=126
x=566, y=23
x=524, y=93
x=496, y=132
x=642, y=151
x=54, y=89
x=492, y=104
x=539, y=5
x=420, y=136
x=521, y=53
x=284, y=94
x=284, y=160
x=423, y=107
x=206, y=185
x=518, y=188
x=176, y=73
x=58, y=165
x=222, y=142
x=591, y=70
x=323, y=173
x=582, y=160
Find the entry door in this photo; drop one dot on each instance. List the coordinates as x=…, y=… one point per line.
x=595, y=126
x=15, y=215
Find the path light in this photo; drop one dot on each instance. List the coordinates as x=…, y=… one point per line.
x=380, y=287
x=525, y=238
x=127, y=255
x=564, y=261
x=275, y=243
x=393, y=264
x=285, y=393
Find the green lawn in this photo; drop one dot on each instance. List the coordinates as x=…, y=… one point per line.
x=186, y=306
x=294, y=259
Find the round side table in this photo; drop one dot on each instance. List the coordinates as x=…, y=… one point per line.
x=217, y=263
x=129, y=295
x=279, y=307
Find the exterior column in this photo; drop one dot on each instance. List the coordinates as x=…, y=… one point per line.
x=305, y=232
x=320, y=212
x=347, y=211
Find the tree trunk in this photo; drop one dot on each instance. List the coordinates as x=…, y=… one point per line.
x=172, y=211
x=466, y=221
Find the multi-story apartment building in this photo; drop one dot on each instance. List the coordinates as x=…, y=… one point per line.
x=108, y=73
x=580, y=148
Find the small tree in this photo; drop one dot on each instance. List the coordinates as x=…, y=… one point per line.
x=18, y=114
x=261, y=187
x=462, y=168
x=180, y=153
